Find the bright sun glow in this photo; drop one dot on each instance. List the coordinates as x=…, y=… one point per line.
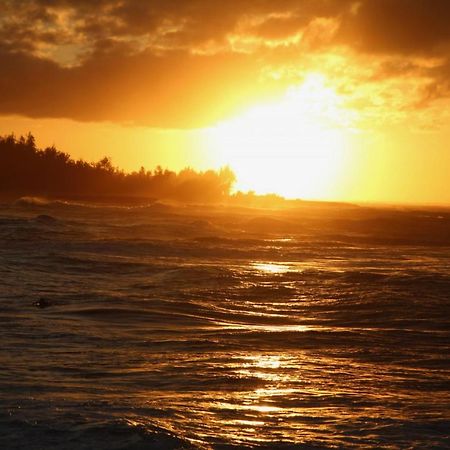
x=295, y=147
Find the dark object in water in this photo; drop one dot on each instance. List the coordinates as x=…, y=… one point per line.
x=42, y=303
x=45, y=218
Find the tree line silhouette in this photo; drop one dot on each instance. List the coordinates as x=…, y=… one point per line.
x=26, y=170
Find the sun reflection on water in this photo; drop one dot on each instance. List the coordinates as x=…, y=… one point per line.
x=271, y=268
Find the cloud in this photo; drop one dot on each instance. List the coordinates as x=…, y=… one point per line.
x=188, y=63
x=176, y=89
x=409, y=27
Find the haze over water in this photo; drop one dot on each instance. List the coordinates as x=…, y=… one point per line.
x=210, y=327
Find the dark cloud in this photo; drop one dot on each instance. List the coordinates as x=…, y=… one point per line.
x=189, y=22
x=172, y=90
x=170, y=63
x=410, y=27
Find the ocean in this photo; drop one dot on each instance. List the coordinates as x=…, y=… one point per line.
x=213, y=327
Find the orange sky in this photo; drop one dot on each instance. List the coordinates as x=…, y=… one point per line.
x=327, y=99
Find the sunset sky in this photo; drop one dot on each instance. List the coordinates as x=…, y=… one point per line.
x=317, y=99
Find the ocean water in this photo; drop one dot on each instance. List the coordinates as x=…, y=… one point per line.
x=164, y=327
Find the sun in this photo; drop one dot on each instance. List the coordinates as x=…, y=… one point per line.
x=295, y=147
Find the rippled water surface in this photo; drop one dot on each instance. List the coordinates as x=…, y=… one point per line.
x=193, y=327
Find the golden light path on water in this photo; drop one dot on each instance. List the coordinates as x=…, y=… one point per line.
x=271, y=267
x=278, y=387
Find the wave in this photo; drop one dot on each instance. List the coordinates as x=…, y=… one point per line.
x=151, y=206
x=124, y=434
x=46, y=219
x=32, y=201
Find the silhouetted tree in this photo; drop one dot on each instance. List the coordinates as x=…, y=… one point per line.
x=27, y=170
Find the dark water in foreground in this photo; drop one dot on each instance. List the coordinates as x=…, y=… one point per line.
x=171, y=328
